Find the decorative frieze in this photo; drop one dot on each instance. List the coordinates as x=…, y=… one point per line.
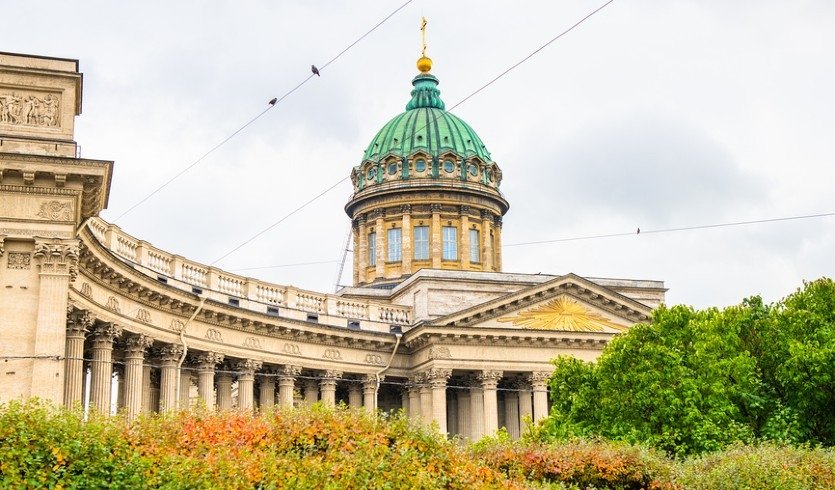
x=213, y=334
x=374, y=360
x=19, y=261
x=55, y=211
x=291, y=349
x=29, y=109
x=252, y=343
x=112, y=304
x=332, y=354
x=439, y=353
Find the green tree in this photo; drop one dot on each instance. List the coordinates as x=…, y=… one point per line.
x=694, y=381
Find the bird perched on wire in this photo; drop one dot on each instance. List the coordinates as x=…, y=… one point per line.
x=315, y=70
x=275, y=99
x=639, y=231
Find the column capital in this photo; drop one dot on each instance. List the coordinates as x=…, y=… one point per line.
x=248, y=366
x=490, y=378
x=361, y=219
x=486, y=214
x=465, y=210
x=169, y=353
x=437, y=377
x=435, y=208
x=378, y=213
x=105, y=333
x=136, y=345
x=334, y=375
x=497, y=220
x=539, y=379
x=288, y=372
x=207, y=360
x=79, y=323
x=406, y=208
x=57, y=256
x=370, y=381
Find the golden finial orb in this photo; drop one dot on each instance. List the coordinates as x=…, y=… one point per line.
x=424, y=64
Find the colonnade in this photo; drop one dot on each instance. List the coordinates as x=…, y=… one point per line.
x=470, y=407
x=151, y=378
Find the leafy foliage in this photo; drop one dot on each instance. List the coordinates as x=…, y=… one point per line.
x=696, y=381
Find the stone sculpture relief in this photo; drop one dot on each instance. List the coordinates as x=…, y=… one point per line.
x=30, y=110
x=19, y=260
x=55, y=211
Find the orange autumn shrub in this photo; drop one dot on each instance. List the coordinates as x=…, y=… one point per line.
x=579, y=464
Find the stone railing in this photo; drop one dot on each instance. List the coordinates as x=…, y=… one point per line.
x=252, y=293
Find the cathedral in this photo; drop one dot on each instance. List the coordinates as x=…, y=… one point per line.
x=432, y=325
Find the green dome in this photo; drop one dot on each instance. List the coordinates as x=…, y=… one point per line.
x=425, y=126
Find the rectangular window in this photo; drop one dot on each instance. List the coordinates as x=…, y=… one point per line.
x=450, y=243
x=475, y=247
x=421, y=243
x=372, y=248
x=394, y=245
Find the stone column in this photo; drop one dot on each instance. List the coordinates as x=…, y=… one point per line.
x=206, y=363
x=78, y=324
x=406, y=238
x=354, y=394
x=355, y=230
x=246, y=383
x=362, y=255
x=57, y=261
x=435, y=244
x=369, y=393
x=136, y=345
x=464, y=413
x=425, y=399
x=223, y=385
x=539, y=384
x=437, y=378
x=169, y=393
x=101, y=366
x=489, y=382
x=327, y=385
x=525, y=403
x=287, y=384
x=497, y=240
x=511, y=414
x=404, y=401
x=153, y=396
x=486, y=243
x=414, y=398
x=464, y=251
x=476, y=410
x=380, y=248
x=311, y=391
x=452, y=413
x=266, y=390
x=147, y=403
x=185, y=387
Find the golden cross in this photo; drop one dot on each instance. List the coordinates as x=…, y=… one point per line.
x=423, y=35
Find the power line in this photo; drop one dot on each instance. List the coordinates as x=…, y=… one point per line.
x=272, y=103
x=270, y=227
x=673, y=230
x=297, y=264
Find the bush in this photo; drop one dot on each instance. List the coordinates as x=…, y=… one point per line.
x=579, y=464
x=766, y=466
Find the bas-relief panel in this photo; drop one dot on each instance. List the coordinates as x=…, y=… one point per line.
x=38, y=208
x=29, y=108
x=447, y=301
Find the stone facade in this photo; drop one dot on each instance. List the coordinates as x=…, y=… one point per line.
x=84, y=303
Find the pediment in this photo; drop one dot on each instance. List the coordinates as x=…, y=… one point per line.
x=567, y=303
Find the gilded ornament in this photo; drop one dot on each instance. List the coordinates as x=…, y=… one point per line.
x=562, y=314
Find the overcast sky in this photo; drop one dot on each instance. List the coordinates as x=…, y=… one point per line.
x=652, y=114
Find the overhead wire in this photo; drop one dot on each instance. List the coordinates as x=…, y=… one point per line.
x=272, y=104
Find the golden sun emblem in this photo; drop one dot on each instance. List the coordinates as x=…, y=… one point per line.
x=562, y=314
